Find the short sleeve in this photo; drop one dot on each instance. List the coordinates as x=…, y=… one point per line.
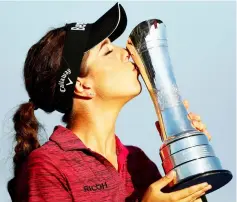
x=143, y=171
x=45, y=181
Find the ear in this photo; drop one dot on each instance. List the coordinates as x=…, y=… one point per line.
x=83, y=88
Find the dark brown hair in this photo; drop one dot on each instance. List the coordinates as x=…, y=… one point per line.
x=40, y=69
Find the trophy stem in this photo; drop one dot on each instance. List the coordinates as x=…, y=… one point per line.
x=159, y=115
x=142, y=69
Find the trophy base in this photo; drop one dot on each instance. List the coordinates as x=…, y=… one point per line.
x=216, y=179
x=192, y=158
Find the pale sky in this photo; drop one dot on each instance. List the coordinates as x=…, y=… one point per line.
x=201, y=38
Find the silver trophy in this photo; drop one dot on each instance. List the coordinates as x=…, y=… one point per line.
x=185, y=150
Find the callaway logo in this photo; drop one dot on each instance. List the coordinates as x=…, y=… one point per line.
x=79, y=26
x=62, y=80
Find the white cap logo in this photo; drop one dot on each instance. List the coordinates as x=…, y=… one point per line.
x=61, y=82
x=79, y=26
x=70, y=82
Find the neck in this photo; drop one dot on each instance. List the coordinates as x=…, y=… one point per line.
x=95, y=126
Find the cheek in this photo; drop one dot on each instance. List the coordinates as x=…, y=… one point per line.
x=108, y=82
x=115, y=79
x=118, y=84
x=108, y=74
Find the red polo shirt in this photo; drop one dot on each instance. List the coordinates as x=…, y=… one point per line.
x=64, y=170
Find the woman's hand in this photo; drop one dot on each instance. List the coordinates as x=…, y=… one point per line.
x=190, y=194
x=195, y=121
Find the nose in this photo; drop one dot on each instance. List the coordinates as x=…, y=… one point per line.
x=122, y=53
x=125, y=55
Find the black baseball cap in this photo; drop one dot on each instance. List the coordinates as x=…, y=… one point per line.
x=81, y=37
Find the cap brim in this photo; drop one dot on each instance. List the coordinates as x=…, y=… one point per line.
x=111, y=25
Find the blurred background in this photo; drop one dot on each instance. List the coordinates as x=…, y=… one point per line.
x=202, y=46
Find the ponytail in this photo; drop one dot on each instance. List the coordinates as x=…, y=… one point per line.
x=40, y=72
x=26, y=128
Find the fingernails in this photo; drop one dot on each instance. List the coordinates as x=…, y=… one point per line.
x=196, y=123
x=171, y=174
x=204, y=184
x=208, y=187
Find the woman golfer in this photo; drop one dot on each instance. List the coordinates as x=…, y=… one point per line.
x=77, y=71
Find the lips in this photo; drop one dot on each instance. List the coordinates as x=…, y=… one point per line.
x=129, y=58
x=135, y=68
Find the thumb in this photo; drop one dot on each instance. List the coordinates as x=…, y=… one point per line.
x=165, y=180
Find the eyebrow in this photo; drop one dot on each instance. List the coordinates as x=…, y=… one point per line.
x=103, y=43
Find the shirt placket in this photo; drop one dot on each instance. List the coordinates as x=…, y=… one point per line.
x=115, y=175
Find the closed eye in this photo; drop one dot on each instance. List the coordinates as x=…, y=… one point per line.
x=108, y=52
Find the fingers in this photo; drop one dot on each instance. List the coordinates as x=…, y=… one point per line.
x=190, y=193
x=207, y=134
x=164, y=181
x=194, y=197
x=186, y=104
x=195, y=122
x=192, y=116
x=199, y=125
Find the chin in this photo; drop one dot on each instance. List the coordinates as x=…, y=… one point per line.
x=132, y=92
x=137, y=90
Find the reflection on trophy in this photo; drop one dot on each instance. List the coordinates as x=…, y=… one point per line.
x=185, y=150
